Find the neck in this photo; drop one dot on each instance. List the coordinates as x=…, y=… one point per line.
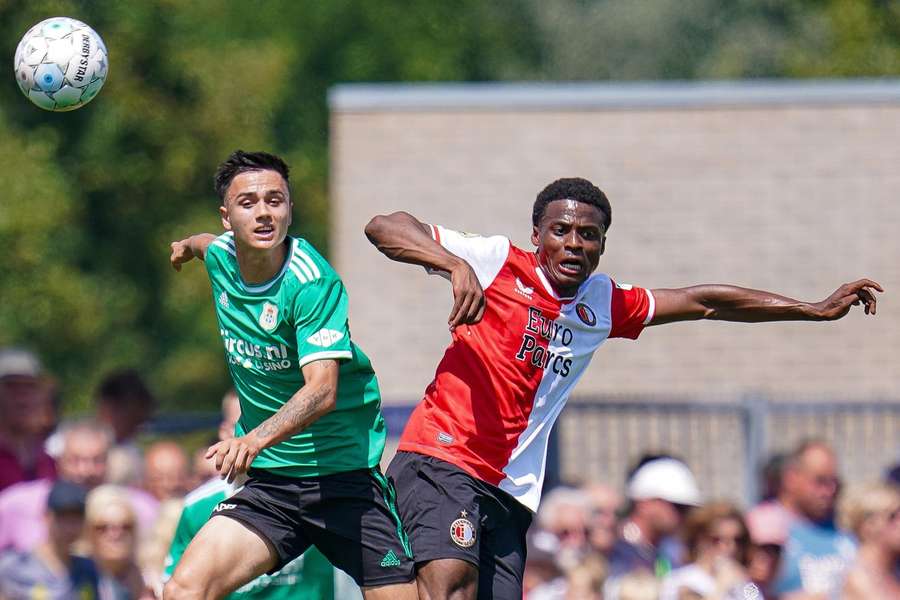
x=54, y=555
x=876, y=558
x=647, y=535
x=258, y=266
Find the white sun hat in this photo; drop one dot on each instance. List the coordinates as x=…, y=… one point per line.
x=665, y=479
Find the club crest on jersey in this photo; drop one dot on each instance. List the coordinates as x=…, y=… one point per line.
x=462, y=532
x=586, y=315
x=268, y=318
x=223, y=300
x=524, y=290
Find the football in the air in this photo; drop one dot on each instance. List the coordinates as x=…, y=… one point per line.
x=61, y=64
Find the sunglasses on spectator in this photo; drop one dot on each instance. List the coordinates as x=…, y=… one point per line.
x=127, y=527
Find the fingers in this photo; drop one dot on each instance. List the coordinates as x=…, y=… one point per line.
x=211, y=451
x=868, y=299
x=228, y=462
x=865, y=283
x=468, y=308
x=238, y=467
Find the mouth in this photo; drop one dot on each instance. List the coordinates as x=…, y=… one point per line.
x=571, y=267
x=264, y=232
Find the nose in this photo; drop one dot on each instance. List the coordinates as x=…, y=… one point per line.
x=572, y=241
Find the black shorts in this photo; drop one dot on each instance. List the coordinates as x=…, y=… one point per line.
x=350, y=517
x=450, y=514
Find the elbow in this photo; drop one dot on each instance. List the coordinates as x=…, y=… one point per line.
x=376, y=227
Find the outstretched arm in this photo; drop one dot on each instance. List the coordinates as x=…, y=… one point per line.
x=315, y=399
x=188, y=248
x=730, y=303
x=403, y=238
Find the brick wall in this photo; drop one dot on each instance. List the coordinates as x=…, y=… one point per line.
x=796, y=197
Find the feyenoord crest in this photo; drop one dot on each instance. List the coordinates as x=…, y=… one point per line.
x=586, y=315
x=268, y=318
x=462, y=532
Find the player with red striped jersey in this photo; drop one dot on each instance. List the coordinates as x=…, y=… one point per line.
x=525, y=326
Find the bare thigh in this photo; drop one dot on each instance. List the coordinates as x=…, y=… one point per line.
x=447, y=579
x=396, y=591
x=224, y=555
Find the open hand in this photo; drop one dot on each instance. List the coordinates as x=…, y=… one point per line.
x=838, y=304
x=233, y=457
x=468, y=297
x=181, y=253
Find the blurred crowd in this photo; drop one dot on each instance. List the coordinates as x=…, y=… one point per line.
x=87, y=512
x=661, y=540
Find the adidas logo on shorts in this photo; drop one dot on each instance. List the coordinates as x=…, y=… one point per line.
x=390, y=560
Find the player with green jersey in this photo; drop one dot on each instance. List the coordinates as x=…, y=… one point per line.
x=311, y=434
x=307, y=577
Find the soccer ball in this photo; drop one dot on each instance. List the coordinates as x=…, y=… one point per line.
x=61, y=64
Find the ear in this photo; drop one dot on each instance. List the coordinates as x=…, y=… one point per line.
x=223, y=212
x=602, y=244
x=535, y=236
x=290, y=211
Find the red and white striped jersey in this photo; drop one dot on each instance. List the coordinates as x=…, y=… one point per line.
x=503, y=381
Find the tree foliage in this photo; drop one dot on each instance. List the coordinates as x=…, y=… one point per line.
x=92, y=198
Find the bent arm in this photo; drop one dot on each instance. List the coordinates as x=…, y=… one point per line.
x=403, y=238
x=189, y=248
x=315, y=399
x=732, y=303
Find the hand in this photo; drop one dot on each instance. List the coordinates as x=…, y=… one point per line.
x=468, y=297
x=838, y=304
x=234, y=456
x=181, y=253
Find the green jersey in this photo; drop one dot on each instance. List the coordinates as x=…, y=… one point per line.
x=308, y=577
x=270, y=331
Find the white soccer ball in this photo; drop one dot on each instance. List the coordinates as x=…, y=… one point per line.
x=61, y=64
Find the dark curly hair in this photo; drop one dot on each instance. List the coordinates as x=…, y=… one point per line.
x=572, y=188
x=241, y=161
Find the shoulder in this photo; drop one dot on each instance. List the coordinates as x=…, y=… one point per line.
x=307, y=265
x=25, y=493
x=224, y=244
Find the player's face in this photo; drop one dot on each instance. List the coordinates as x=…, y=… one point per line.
x=570, y=239
x=257, y=209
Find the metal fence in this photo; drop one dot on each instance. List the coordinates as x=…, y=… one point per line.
x=725, y=443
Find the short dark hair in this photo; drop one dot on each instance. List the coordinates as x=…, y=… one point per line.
x=240, y=162
x=124, y=389
x=572, y=188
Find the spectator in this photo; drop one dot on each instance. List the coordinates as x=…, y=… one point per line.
x=543, y=579
x=25, y=403
x=660, y=492
x=51, y=571
x=124, y=403
x=638, y=585
x=872, y=513
x=85, y=448
x=605, y=504
x=717, y=543
x=817, y=553
x=772, y=474
x=564, y=514
x=112, y=539
x=585, y=581
x=768, y=526
x=154, y=547
x=166, y=470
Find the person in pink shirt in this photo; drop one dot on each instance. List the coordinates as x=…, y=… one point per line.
x=26, y=403
x=83, y=461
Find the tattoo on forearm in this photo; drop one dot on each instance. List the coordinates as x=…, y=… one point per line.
x=296, y=414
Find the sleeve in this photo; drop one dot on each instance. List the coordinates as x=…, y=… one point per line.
x=216, y=253
x=486, y=255
x=184, y=533
x=631, y=309
x=320, y=322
